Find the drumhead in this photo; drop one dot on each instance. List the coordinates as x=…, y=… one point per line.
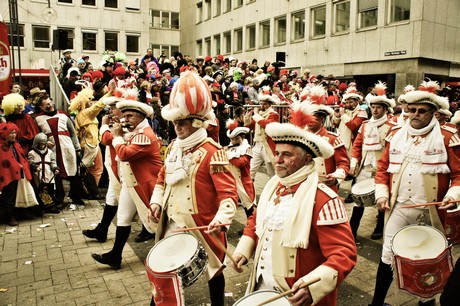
x=363, y=187
x=260, y=296
x=172, y=252
x=418, y=242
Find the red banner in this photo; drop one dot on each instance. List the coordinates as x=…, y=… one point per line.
x=5, y=60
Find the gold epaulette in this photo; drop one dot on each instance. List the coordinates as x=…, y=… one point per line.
x=324, y=188
x=219, y=162
x=392, y=132
x=449, y=128
x=454, y=140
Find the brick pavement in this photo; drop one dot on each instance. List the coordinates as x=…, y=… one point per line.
x=47, y=261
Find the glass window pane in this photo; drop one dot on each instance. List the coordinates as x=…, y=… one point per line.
x=175, y=20
x=156, y=23
x=342, y=17
x=217, y=44
x=265, y=34
x=89, y=2
x=251, y=34
x=280, y=30
x=319, y=21
x=218, y=7
x=132, y=43
x=298, y=26
x=111, y=41
x=41, y=37
x=399, y=10
x=368, y=18
x=16, y=35
x=228, y=42
x=111, y=3
x=165, y=19
x=89, y=41
x=238, y=40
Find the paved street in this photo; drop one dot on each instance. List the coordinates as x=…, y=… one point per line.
x=47, y=261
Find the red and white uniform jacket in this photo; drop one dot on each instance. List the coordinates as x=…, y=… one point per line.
x=110, y=160
x=240, y=164
x=207, y=192
x=349, y=123
x=339, y=164
x=330, y=253
x=61, y=131
x=437, y=185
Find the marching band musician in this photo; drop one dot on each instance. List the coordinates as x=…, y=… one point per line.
x=300, y=229
x=239, y=155
x=257, y=120
x=403, y=116
x=420, y=164
x=367, y=149
x=138, y=152
x=195, y=187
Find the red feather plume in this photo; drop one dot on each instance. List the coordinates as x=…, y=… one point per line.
x=301, y=119
x=231, y=124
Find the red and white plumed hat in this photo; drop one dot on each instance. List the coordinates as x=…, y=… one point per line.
x=406, y=89
x=427, y=94
x=381, y=97
x=295, y=132
x=317, y=98
x=115, y=96
x=129, y=103
x=190, y=98
x=352, y=93
x=234, y=130
x=265, y=95
x=456, y=118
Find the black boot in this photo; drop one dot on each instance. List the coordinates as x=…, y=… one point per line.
x=382, y=284
x=378, y=230
x=355, y=219
x=216, y=290
x=100, y=232
x=144, y=235
x=113, y=258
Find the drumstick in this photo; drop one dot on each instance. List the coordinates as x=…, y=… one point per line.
x=427, y=204
x=197, y=228
x=306, y=284
x=222, y=246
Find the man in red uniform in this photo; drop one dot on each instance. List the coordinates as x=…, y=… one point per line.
x=300, y=230
x=420, y=164
x=138, y=150
x=195, y=187
x=264, y=147
x=367, y=150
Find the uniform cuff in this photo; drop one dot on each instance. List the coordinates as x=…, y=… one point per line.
x=325, y=285
x=245, y=247
x=257, y=117
x=381, y=191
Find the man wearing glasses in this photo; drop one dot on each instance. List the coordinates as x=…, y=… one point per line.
x=420, y=164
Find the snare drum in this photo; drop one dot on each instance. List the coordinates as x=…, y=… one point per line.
x=260, y=296
x=363, y=193
x=422, y=259
x=182, y=253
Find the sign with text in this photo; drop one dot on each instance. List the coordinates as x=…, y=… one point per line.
x=393, y=53
x=5, y=61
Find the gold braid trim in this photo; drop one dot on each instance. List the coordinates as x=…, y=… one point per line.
x=219, y=162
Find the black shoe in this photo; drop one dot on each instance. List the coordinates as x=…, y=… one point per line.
x=144, y=236
x=78, y=201
x=12, y=221
x=376, y=235
x=427, y=303
x=106, y=259
x=52, y=210
x=349, y=199
x=95, y=234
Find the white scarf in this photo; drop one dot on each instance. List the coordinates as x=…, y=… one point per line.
x=434, y=157
x=297, y=225
x=176, y=165
x=236, y=152
x=401, y=119
x=372, y=137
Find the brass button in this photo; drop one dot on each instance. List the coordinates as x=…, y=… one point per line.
x=188, y=198
x=267, y=239
x=291, y=270
x=265, y=248
x=408, y=189
x=190, y=210
x=188, y=186
x=269, y=229
x=291, y=256
x=172, y=196
x=434, y=187
x=262, y=257
x=262, y=267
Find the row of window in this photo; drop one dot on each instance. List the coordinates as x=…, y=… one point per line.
x=42, y=39
x=113, y=4
x=367, y=12
x=220, y=6
x=164, y=20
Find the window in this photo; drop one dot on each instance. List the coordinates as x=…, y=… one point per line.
x=218, y=7
x=199, y=47
x=41, y=37
x=207, y=43
x=134, y=5
x=89, y=40
x=227, y=42
x=174, y=49
x=70, y=37
x=199, y=12
x=280, y=30
x=265, y=33
x=251, y=37
x=65, y=1
x=111, y=41
x=16, y=35
x=132, y=43
x=159, y=19
x=238, y=3
x=208, y=9
x=217, y=44
x=298, y=26
x=88, y=2
x=399, y=10
x=342, y=17
x=111, y=3
x=238, y=35
x=367, y=13
x=319, y=21
x=156, y=49
x=228, y=5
